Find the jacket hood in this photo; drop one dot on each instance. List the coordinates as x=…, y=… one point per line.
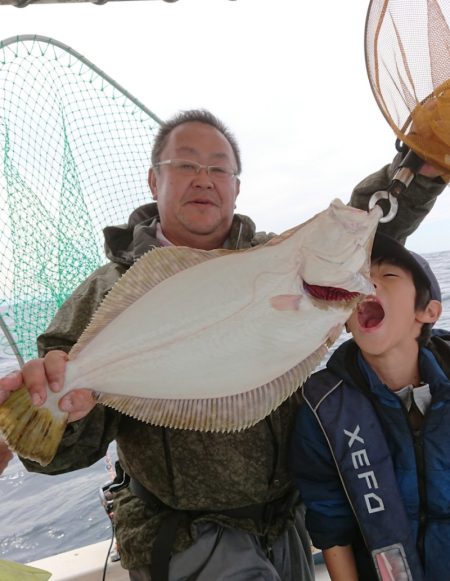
x=125, y=243
x=433, y=362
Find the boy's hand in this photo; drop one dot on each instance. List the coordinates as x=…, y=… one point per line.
x=430, y=171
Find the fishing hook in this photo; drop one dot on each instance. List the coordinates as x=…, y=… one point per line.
x=401, y=180
x=385, y=195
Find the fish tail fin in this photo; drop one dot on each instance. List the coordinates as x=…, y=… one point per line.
x=33, y=432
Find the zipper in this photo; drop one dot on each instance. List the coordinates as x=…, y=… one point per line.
x=417, y=439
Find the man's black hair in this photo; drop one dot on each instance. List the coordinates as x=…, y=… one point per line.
x=191, y=116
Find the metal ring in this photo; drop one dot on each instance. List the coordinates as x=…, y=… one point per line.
x=383, y=195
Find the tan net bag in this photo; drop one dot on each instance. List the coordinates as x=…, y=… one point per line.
x=407, y=45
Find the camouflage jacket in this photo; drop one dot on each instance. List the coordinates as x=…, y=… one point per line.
x=187, y=470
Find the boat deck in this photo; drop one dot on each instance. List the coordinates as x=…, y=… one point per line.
x=86, y=564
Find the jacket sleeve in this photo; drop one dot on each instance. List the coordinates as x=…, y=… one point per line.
x=414, y=203
x=85, y=441
x=329, y=518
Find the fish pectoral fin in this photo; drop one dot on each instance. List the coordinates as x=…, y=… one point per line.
x=33, y=432
x=286, y=302
x=333, y=334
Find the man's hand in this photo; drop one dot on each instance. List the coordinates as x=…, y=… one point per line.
x=5, y=456
x=36, y=375
x=430, y=171
x=48, y=372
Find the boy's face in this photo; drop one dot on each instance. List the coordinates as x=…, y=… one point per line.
x=389, y=320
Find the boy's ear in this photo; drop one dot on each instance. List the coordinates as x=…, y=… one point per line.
x=430, y=313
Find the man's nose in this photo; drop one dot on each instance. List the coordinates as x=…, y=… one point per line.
x=202, y=179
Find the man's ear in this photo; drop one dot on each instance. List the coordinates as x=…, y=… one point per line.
x=430, y=313
x=152, y=183
x=238, y=188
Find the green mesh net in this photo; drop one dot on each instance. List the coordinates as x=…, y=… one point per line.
x=76, y=150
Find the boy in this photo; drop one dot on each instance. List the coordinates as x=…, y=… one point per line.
x=371, y=449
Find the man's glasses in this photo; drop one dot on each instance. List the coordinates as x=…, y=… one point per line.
x=184, y=167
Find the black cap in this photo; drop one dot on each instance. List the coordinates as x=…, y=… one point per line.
x=385, y=247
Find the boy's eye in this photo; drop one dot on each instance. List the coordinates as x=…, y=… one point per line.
x=390, y=274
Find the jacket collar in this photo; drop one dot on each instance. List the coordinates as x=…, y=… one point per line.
x=126, y=243
x=430, y=371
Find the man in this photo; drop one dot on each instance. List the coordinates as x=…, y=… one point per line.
x=200, y=506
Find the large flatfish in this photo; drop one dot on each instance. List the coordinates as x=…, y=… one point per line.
x=211, y=340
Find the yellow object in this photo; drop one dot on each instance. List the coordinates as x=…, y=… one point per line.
x=408, y=62
x=10, y=571
x=430, y=131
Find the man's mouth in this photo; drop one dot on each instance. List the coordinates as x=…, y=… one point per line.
x=202, y=202
x=370, y=313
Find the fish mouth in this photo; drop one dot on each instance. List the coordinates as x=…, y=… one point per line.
x=330, y=293
x=370, y=313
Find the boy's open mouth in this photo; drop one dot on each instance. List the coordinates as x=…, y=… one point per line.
x=370, y=313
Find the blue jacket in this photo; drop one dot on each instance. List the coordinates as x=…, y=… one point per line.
x=421, y=464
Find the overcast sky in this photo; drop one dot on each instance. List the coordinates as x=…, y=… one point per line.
x=288, y=77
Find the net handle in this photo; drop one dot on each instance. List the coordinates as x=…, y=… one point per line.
x=12, y=343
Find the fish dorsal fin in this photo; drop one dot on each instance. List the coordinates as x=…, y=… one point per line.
x=151, y=269
x=220, y=414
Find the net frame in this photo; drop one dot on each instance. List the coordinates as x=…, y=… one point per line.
x=407, y=53
x=76, y=150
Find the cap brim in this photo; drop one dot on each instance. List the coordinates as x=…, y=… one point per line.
x=386, y=247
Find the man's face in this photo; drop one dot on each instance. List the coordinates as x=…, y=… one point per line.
x=195, y=210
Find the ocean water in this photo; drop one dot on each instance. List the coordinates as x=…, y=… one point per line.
x=45, y=515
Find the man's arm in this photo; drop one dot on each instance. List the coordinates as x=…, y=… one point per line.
x=92, y=426
x=414, y=203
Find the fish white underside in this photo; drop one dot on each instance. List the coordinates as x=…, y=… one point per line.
x=208, y=340
x=175, y=342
